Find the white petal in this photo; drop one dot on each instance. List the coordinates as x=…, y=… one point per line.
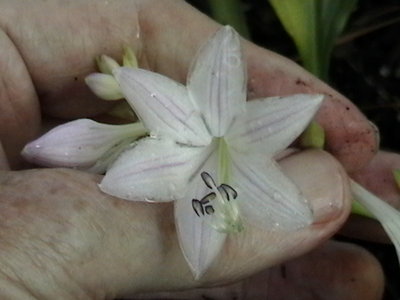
x=78, y=143
x=199, y=241
x=217, y=83
x=154, y=170
x=163, y=105
x=266, y=197
x=387, y=215
x=108, y=159
x=272, y=124
x=104, y=86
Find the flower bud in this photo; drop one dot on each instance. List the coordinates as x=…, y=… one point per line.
x=106, y=64
x=104, y=86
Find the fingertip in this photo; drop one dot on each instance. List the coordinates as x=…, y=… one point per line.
x=336, y=270
x=322, y=180
x=324, y=183
x=350, y=137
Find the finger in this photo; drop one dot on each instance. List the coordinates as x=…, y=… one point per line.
x=54, y=65
x=334, y=271
x=59, y=220
x=19, y=108
x=47, y=54
x=67, y=38
x=350, y=137
x=378, y=178
x=255, y=249
x=154, y=29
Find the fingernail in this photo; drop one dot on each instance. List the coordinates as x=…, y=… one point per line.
x=322, y=181
x=376, y=132
x=329, y=207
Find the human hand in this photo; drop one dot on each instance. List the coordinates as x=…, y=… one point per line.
x=57, y=65
x=63, y=238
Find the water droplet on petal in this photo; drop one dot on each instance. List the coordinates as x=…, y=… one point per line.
x=149, y=200
x=276, y=226
x=277, y=196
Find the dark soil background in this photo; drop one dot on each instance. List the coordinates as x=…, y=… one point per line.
x=365, y=67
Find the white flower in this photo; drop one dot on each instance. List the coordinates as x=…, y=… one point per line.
x=212, y=151
x=106, y=64
x=83, y=144
x=387, y=215
x=86, y=144
x=103, y=84
x=208, y=149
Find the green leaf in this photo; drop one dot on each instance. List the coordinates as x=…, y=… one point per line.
x=314, y=26
x=396, y=174
x=230, y=12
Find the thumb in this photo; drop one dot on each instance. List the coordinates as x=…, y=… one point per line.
x=61, y=236
x=323, y=182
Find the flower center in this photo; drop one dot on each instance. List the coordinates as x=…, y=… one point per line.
x=219, y=203
x=224, y=161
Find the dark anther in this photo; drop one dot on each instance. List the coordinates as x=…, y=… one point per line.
x=197, y=207
x=230, y=192
x=209, y=210
x=207, y=198
x=208, y=180
x=203, y=206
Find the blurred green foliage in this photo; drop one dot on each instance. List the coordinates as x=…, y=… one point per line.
x=314, y=25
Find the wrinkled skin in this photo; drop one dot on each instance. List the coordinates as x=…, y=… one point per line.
x=61, y=238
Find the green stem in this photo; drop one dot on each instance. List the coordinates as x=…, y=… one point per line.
x=134, y=130
x=224, y=162
x=358, y=209
x=230, y=12
x=360, y=193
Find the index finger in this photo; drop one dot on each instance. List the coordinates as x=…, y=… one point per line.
x=166, y=36
x=350, y=137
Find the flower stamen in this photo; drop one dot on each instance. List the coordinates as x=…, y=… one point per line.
x=227, y=217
